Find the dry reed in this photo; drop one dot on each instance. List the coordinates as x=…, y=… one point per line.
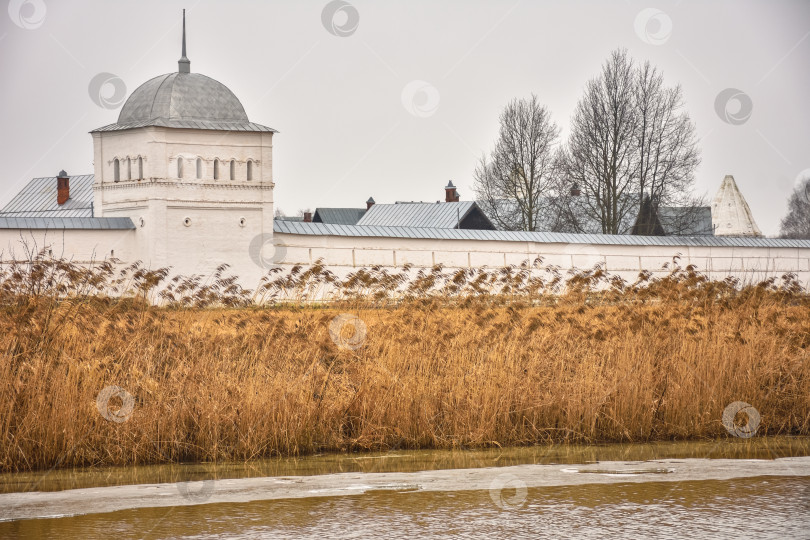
x=512, y=356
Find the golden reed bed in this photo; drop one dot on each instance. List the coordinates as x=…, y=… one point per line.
x=87, y=380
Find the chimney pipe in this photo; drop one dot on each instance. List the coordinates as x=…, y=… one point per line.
x=308, y=217
x=370, y=202
x=450, y=193
x=62, y=188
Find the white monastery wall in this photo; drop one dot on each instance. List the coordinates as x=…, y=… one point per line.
x=215, y=237
x=80, y=246
x=344, y=254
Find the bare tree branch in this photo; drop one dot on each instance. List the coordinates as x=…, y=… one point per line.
x=514, y=183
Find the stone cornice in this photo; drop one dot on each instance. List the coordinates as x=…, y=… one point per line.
x=129, y=184
x=222, y=204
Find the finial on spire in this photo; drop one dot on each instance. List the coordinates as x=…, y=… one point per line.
x=184, y=64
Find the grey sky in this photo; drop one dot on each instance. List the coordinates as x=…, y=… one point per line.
x=345, y=132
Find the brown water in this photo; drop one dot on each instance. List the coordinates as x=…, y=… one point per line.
x=622, y=491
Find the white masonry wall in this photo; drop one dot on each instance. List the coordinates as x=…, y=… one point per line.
x=252, y=253
x=83, y=246
x=344, y=254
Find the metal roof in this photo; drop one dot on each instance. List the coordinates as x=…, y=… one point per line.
x=439, y=215
x=188, y=124
x=38, y=199
x=115, y=223
x=326, y=229
x=182, y=96
x=686, y=220
x=184, y=100
x=340, y=216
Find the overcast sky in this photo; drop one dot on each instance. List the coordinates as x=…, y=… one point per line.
x=393, y=99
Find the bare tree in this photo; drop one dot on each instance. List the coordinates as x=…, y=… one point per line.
x=796, y=224
x=512, y=185
x=600, y=157
x=630, y=136
x=666, y=146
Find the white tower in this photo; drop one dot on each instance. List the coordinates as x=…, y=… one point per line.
x=194, y=174
x=731, y=215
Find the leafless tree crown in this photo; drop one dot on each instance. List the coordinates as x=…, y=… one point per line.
x=511, y=185
x=796, y=223
x=630, y=136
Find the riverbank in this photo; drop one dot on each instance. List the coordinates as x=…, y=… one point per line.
x=93, y=382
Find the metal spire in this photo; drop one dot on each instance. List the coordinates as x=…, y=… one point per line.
x=184, y=64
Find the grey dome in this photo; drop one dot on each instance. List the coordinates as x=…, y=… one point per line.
x=182, y=96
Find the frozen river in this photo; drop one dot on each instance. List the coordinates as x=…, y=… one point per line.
x=757, y=488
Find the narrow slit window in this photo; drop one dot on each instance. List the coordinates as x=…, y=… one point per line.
x=179, y=168
x=216, y=169
x=250, y=171
x=199, y=168
x=140, y=168
x=116, y=170
x=129, y=169
x=233, y=169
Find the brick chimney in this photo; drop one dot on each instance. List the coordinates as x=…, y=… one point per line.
x=575, y=191
x=62, y=188
x=450, y=193
x=308, y=217
x=370, y=202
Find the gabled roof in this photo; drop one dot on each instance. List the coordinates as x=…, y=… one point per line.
x=439, y=215
x=340, y=216
x=38, y=199
x=686, y=220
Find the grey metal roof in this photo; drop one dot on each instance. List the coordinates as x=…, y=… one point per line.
x=184, y=100
x=340, y=216
x=188, y=124
x=686, y=220
x=440, y=215
x=117, y=223
x=326, y=229
x=38, y=199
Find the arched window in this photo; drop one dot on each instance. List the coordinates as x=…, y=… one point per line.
x=140, y=168
x=129, y=169
x=179, y=167
x=233, y=169
x=199, y=168
x=250, y=170
x=216, y=169
x=116, y=170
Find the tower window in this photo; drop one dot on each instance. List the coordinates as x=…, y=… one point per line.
x=216, y=169
x=116, y=170
x=140, y=168
x=249, y=171
x=199, y=168
x=129, y=169
x=179, y=167
x=233, y=169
